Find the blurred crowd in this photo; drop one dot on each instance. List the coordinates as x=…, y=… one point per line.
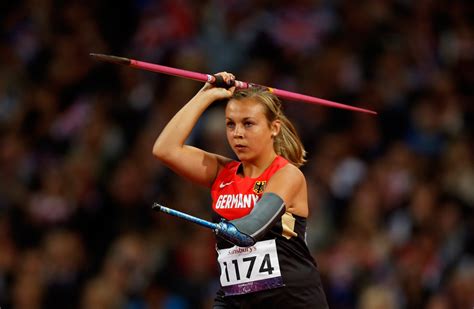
x=391, y=196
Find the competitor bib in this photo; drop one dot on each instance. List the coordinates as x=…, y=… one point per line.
x=250, y=269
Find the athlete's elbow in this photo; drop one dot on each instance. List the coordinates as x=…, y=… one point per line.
x=160, y=151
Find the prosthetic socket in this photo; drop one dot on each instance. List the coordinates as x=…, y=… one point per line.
x=245, y=231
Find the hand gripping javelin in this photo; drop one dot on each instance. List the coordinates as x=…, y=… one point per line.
x=218, y=81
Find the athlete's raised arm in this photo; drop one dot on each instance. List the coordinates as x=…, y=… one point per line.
x=190, y=162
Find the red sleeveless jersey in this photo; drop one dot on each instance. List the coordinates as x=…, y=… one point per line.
x=234, y=196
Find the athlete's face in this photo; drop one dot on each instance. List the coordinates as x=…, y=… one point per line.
x=249, y=132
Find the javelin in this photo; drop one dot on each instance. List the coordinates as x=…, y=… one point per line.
x=218, y=81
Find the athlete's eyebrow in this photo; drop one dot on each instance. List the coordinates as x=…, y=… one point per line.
x=243, y=119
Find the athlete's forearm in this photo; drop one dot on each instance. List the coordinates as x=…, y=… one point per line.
x=177, y=130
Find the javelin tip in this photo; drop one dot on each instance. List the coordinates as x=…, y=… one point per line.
x=109, y=58
x=370, y=112
x=156, y=207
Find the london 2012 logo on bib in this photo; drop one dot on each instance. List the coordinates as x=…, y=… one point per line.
x=259, y=186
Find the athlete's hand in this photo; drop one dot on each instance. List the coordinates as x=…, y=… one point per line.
x=218, y=93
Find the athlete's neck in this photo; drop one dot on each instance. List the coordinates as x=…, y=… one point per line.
x=255, y=168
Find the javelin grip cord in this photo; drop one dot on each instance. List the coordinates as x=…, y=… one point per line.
x=220, y=82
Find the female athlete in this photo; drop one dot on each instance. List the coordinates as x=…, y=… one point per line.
x=263, y=195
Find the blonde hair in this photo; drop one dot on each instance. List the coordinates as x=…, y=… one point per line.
x=287, y=143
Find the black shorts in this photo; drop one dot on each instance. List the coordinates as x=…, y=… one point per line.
x=289, y=297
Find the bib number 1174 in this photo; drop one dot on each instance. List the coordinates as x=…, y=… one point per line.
x=244, y=265
x=265, y=267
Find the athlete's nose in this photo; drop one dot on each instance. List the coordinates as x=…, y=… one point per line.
x=238, y=131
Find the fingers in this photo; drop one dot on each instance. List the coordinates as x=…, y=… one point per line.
x=218, y=90
x=222, y=93
x=223, y=77
x=231, y=90
x=229, y=78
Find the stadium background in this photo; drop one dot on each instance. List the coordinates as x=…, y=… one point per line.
x=391, y=196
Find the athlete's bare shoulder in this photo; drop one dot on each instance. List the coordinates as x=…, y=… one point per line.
x=288, y=182
x=291, y=173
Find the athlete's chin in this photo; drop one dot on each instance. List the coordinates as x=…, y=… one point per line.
x=244, y=156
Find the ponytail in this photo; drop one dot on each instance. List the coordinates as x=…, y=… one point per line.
x=287, y=143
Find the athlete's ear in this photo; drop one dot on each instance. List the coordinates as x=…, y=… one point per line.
x=275, y=127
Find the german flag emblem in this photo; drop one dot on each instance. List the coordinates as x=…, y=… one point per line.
x=259, y=186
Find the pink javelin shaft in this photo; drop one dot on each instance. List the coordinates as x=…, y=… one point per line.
x=293, y=96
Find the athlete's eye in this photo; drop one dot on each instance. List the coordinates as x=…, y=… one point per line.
x=248, y=124
x=230, y=124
